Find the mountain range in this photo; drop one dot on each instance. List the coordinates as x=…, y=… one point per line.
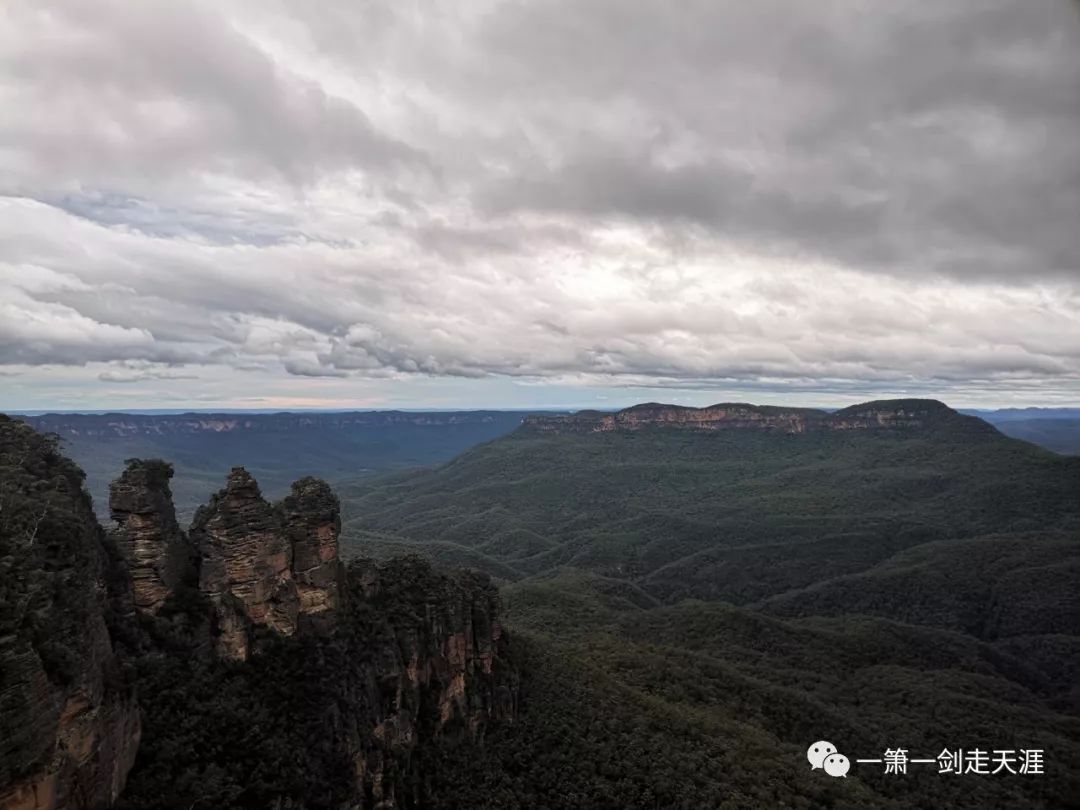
x=276, y=447
x=732, y=583
x=687, y=599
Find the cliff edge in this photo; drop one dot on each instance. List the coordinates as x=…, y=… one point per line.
x=898, y=414
x=69, y=722
x=146, y=665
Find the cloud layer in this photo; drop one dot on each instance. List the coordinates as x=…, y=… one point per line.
x=822, y=200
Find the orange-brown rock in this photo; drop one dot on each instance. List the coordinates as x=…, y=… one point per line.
x=312, y=516
x=146, y=532
x=882, y=415
x=245, y=566
x=415, y=655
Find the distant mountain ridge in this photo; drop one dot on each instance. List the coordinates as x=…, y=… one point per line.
x=880, y=414
x=1022, y=414
x=276, y=447
x=1056, y=429
x=127, y=424
x=722, y=587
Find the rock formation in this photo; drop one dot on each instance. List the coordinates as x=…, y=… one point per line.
x=312, y=517
x=389, y=656
x=882, y=415
x=442, y=670
x=69, y=723
x=245, y=565
x=147, y=534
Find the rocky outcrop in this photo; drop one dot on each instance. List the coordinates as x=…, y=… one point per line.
x=376, y=664
x=245, y=566
x=440, y=668
x=881, y=415
x=268, y=567
x=69, y=723
x=263, y=567
x=312, y=516
x=146, y=533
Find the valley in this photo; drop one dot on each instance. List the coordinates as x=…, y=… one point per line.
x=689, y=597
x=738, y=590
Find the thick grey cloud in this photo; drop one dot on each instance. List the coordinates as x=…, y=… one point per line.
x=118, y=92
x=918, y=138
x=830, y=197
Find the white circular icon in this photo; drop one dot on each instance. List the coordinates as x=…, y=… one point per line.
x=837, y=765
x=817, y=752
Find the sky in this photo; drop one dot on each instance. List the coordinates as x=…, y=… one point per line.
x=538, y=203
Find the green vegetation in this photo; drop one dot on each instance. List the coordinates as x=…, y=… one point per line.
x=704, y=704
x=693, y=609
x=735, y=515
x=285, y=728
x=54, y=590
x=688, y=611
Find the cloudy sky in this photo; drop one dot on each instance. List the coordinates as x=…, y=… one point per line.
x=357, y=203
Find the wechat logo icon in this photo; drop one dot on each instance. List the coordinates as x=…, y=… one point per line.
x=823, y=754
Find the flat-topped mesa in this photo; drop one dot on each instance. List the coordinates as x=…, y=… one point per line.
x=245, y=565
x=146, y=532
x=885, y=414
x=724, y=416
x=899, y=413
x=312, y=515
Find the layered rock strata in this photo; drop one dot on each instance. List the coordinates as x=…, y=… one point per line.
x=245, y=565
x=146, y=532
x=402, y=655
x=312, y=518
x=882, y=415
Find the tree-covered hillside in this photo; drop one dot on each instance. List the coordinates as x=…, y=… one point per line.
x=699, y=606
x=738, y=515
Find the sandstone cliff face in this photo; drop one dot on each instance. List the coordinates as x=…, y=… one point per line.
x=245, y=566
x=390, y=657
x=146, y=533
x=439, y=668
x=312, y=516
x=883, y=415
x=69, y=725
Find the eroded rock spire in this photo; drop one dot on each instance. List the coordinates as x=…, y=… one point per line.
x=245, y=565
x=146, y=531
x=312, y=517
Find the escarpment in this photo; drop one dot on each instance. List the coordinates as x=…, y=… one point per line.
x=430, y=660
x=907, y=414
x=69, y=722
x=336, y=680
